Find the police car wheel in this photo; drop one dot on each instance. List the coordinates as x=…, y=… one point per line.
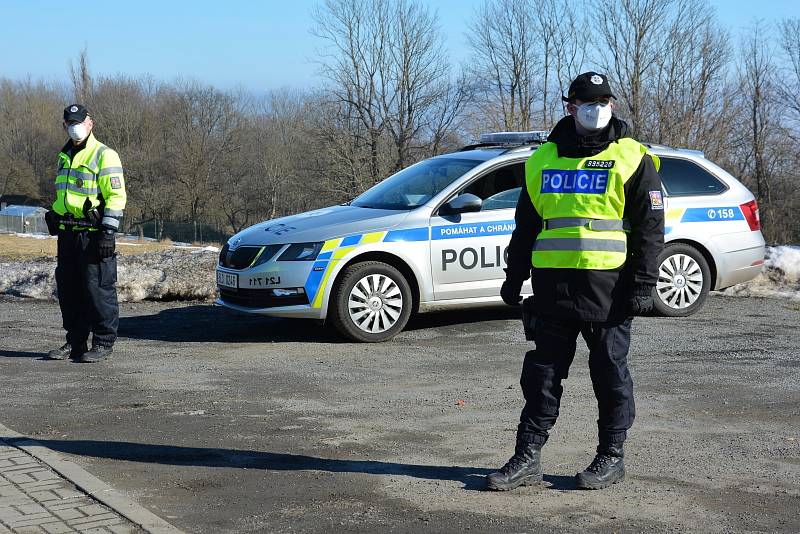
x=684, y=281
x=371, y=302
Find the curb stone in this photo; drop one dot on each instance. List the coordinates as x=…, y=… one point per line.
x=88, y=483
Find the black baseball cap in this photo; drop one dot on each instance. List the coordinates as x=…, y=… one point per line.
x=588, y=87
x=75, y=112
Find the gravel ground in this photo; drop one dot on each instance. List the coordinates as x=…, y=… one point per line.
x=221, y=422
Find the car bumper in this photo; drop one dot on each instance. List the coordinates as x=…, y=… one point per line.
x=297, y=311
x=741, y=258
x=263, y=290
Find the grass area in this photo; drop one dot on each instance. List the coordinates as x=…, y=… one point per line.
x=15, y=247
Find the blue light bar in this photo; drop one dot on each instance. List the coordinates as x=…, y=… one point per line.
x=694, y=152
x=515, y=138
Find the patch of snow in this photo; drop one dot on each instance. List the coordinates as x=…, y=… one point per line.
x=780, y=277
x=34, y=236
x=171, y=274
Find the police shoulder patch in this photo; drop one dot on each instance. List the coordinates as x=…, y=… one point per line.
x=116, y=183
x=598, y=164
x=656, y=200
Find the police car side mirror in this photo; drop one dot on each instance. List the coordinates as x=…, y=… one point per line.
x=464, y=203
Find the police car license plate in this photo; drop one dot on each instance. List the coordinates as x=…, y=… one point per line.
x=227, y=279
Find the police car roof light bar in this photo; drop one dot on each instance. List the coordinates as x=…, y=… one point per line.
x=514, y=138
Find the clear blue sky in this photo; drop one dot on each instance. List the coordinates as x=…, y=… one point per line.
x=256, y=44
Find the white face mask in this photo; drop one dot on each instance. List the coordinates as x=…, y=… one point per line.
x=77, y=132
x=594, y=116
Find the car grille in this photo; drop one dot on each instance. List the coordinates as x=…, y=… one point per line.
x=259, y=298
x=242, y=257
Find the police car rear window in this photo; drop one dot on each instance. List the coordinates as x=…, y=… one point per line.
x=683, y=178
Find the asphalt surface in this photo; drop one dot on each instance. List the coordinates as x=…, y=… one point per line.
x=220, y=422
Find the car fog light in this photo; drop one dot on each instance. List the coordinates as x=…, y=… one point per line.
x=288, y=291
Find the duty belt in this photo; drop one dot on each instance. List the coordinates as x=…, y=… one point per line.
x=603, y=225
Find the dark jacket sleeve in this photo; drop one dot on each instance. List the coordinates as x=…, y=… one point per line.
x=528, y=225
x=646, y=238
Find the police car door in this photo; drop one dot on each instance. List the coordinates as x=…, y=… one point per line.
x=468, y=250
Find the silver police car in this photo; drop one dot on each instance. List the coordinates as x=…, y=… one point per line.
x=434, y=236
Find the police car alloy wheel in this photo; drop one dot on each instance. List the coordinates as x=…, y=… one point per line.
x=371, y=303
x=684, y=280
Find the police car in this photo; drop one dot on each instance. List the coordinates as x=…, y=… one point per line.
x=435, y=236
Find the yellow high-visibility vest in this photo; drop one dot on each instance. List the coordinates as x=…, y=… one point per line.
x=582, y=201
x=94, y=173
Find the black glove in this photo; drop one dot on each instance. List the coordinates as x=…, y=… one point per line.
x=51, y=220
x=510, y=292
x=641, y=302
x=106, y=244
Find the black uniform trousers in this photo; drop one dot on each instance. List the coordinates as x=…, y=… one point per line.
x=547, y=365
x=86, y=287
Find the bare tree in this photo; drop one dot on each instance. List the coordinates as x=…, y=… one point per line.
x=31, y=135
x=82, y=86
x=389, y=94
x=687, y=89
x=563, y=51
x=354, y=61
x=505, y=60
x=756, y=75
x=200, y=125
x=632, y=35
x=788, y=89
x=416, y=78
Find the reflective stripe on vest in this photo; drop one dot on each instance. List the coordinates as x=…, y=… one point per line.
x=577, y=243
x=581, y=201
x=591, y=224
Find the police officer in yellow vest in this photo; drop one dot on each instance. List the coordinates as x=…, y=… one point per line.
x=90, y=199
x=589, y=227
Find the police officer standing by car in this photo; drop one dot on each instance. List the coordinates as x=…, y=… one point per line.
x=90, y=199
x=589, y=229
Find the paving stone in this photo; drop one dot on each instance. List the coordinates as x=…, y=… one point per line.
x=93, y=509
x=43, y=485
x=9, y=491
x=97, y=524
x=43, y=496
x=31, y=521
x=80, y=523
x=68, y=513
x=63, y=504
x=35, y=499
x=19, y=478
x=31, y=508
x=45, y=475
x=66, y=493
x=58, y=527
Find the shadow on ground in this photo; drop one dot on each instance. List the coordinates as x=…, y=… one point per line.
x=206, y=323
x=20, y=354
x=471, y=477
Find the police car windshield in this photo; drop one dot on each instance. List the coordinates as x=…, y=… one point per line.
x=414, y=186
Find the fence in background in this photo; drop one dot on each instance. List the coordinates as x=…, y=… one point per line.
x=32, y=222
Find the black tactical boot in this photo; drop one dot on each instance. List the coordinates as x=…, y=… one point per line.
x=523, y=469
x=65, y=351
x=97, y=354
x=607, y=468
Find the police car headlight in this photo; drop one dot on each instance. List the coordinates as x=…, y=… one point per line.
x=265, y=254
x=301, y=252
